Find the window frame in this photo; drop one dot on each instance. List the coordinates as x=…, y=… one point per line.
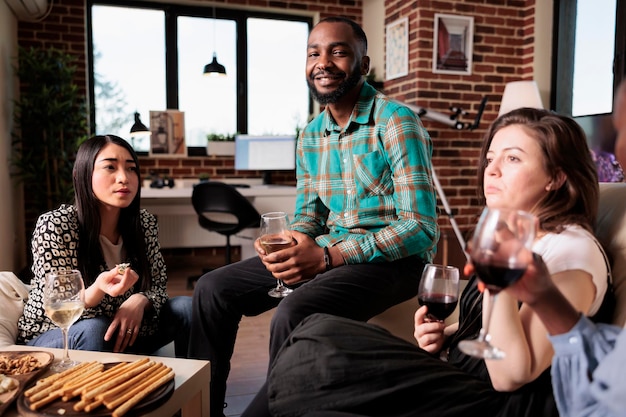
x=563, y=56
x=171, y=14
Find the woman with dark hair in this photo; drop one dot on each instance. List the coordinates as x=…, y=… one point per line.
x=126, y=310
x=531, y=160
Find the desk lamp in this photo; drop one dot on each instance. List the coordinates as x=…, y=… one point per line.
x=519, y=94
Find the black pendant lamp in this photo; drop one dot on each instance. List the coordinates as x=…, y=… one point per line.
x=138, y=128
x=214, y=69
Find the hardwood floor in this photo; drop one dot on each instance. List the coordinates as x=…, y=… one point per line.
x=250, y=358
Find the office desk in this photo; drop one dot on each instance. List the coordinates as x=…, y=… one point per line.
x=178, y=222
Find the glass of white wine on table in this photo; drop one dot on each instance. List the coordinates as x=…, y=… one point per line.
x=64, y=302
x=274, y=236
x=496, y=253
x=439, y=291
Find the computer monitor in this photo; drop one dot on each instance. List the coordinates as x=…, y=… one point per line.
x=265, y=153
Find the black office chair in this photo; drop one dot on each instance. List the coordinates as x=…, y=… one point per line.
x=220, y=198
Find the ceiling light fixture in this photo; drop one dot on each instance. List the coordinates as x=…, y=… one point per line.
x=138, y=127
x=214, y=68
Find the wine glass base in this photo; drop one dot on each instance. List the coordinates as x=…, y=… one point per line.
x=63, y=365
x=279, y=292
x=480, y=349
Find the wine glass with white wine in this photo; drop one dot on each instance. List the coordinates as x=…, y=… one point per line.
x=64, y=302
x=274, y=236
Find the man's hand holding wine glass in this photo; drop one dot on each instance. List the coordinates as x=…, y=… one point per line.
x=291, y=256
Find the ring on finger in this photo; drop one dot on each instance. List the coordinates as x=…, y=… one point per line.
x=129, y=331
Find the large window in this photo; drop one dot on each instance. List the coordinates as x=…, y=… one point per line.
x=590, y=48
x=150, y=56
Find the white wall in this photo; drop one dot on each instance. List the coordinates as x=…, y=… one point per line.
x=374, y=27
x=544, y=11
x=12, y=249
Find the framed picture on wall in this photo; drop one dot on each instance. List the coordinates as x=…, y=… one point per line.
x=167, y=133
x=453, y=44
x=397, y=38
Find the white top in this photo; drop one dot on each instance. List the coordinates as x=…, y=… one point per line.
x=575, y=248
x=112, y=252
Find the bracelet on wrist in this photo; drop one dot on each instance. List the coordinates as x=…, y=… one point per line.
x=327, y=260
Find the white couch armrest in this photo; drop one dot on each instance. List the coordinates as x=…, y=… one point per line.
x=13, y=293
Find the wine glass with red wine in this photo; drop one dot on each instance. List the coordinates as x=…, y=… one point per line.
x=498, y=241
x=274, y=236
x=439, y=291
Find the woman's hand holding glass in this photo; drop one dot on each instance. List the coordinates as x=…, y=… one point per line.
x=438, y=295
x=429, y=334
x=499, y=255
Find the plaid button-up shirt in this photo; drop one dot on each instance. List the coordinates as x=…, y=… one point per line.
x=367, y=188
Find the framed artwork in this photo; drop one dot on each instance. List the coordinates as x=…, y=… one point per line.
x=167, y=133
x=453, y=44
x=397, y=38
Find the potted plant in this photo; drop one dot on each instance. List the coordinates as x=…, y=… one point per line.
x=220, y=144
x=50, y=123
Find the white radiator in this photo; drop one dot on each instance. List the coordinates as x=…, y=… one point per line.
x=183, y=231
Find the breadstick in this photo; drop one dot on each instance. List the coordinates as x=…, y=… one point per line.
x=46, y=382
x=92, y=406
x=87, y=405
x=38, y=404
x=118, y=378
x=112, y=401
x=73, y=388
x=130, y=383
x=123, y=409
x=116, y=370
x=57, y=384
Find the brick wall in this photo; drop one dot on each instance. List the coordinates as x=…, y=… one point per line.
x=503, y=52
x=215, y=166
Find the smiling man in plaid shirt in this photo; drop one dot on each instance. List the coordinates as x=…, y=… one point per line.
x=365, y=219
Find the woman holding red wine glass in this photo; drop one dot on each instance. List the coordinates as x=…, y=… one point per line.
x=439, y=290
x=497, y=256
x=533, y=161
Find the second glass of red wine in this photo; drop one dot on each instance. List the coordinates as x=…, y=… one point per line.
x=274, y=236
x=498, y=241
x=439, y=291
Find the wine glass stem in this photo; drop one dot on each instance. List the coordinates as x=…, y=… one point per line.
x=279, y=284
x=66, y=355
x=484, y=331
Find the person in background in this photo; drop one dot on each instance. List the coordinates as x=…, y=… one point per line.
x=531, y=160
x=619, y=122
x=127, y=311
x=365, y=218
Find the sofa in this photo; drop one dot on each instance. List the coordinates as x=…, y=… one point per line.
x=610, y=229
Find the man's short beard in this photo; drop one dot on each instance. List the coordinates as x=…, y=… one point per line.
x=336, y=95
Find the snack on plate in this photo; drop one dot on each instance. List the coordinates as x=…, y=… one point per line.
x=20, y=365
x=118, y=388
x=7, y=384
x=122, y=267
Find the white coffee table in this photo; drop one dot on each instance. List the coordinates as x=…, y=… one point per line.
x=191, y=381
